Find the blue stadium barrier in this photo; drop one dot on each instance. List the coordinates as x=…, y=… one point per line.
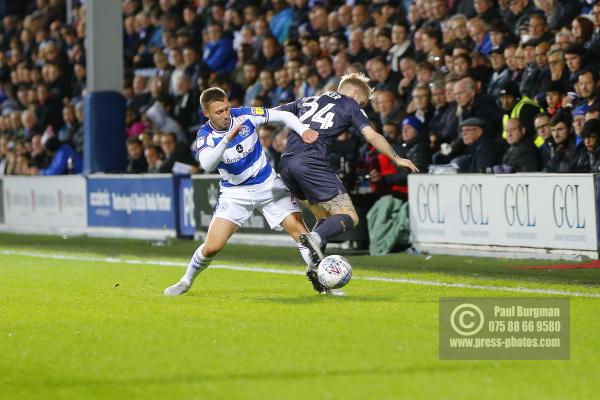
x=104, y=132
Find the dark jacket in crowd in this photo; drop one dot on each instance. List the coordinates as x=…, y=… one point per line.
x=181, y=154
x=594, y=160
x=485, y=153
x=569, y=159
x=417, y=151
x=485, y=108
x=522, y=157
x=138, y=166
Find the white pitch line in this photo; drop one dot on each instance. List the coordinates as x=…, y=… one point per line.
x=410, y=281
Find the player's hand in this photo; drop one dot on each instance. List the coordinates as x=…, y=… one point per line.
x=233, y=132
x=374, y=175
x=406, y=163
x=309, y=136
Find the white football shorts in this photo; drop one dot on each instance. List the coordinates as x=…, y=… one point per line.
x=272, y=198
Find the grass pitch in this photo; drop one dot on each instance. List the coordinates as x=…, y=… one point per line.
x=95, y=325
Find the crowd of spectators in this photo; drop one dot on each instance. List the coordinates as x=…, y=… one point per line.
x=492, y=86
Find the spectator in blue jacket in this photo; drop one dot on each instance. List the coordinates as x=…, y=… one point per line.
x=65, y=159
x=219, y=54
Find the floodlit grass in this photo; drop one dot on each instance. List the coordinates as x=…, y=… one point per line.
x=77, y=329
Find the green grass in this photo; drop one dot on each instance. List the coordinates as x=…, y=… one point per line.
x=72, y=329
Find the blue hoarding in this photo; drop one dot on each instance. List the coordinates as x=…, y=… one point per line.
x=185, y=206
x=133, y=202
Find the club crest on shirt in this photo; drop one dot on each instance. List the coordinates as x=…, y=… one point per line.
x=245, y=131
x=258, y=110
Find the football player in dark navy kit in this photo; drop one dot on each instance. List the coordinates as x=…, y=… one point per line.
x=305, y=167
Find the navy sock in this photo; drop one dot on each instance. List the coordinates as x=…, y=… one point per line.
x=334, y=225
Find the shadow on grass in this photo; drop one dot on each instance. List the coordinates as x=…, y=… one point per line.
x=459, y=266
x=280, y=375
x=318, y=299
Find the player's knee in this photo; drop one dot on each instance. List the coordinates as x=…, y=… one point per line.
x=210, y=250
x=355, y=219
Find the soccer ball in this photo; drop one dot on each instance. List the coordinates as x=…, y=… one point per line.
x=334, y=272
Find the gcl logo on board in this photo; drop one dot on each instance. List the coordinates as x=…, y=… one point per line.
x=470, y=200
x=565, y=207
x=428, y=203
x=517, y=206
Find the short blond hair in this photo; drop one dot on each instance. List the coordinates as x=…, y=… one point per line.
x=359, y=81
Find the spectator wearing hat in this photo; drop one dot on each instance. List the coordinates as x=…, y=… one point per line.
x=481, y=150
x=521, y=155
x=516, y=106
x=499, y=33
x=501, y=73
x=591, y=139
x=567, y=157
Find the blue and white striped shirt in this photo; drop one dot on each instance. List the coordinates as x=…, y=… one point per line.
x=244, y=161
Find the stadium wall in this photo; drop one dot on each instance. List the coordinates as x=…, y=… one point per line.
x=523, y=215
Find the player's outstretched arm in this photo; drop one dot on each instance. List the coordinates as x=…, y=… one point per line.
x=382, y=145
x=292, y=122
x=209, y=157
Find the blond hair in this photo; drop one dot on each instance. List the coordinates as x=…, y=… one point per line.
x=359, y=81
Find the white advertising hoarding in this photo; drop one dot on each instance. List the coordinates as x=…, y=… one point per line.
x=49, y=202
x=548, y=211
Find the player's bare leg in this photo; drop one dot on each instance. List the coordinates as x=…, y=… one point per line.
x=219, y=232
x=320, y=215
x=307, y=245
x=340, y=216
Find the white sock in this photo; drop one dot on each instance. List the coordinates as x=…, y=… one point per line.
x=197, y=264
x=317, y=237
x=305, y=253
